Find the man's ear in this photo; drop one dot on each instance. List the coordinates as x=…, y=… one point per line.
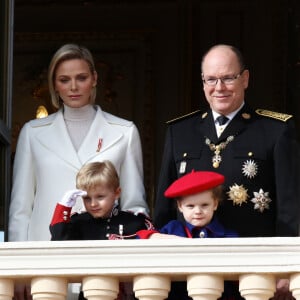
x=245, y=78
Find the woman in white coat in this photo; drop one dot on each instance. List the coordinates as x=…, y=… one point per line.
x=50, y=151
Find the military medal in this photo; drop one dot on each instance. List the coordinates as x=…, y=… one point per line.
x=250, y=168
x=261, y=200
x=216, y=159
x=99, y=145
x=182, y=166
x=121, y=231
x=238, y=194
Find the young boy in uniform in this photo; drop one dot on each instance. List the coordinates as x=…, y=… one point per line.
x=98, y=185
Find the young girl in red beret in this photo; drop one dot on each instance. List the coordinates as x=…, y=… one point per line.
x=198, y=195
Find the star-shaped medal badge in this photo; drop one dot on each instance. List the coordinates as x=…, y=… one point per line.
x=261, y=200
x=250, y=168
x=238, y=194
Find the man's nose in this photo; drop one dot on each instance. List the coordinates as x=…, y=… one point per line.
x=220, y=84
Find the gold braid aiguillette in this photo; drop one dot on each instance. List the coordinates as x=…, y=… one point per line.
x=217, y=158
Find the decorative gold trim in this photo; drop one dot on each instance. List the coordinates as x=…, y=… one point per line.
x=246, y=116
x=204, y=115
x=217, y=158
x=273, y=114
x=182, y=117
x=238, y=194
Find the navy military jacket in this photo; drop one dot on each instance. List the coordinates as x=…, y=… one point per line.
x=212, y=230
x=259, y=159
x=65, y=226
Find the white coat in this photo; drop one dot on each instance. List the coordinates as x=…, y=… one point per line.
x=46, y=164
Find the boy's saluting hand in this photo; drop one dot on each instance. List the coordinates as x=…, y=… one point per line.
x=70, y=197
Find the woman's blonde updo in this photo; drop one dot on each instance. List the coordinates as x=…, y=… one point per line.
x=67, y=52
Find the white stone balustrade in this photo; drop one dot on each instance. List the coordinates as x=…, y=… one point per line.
x=44, y=287
x=151, y=265
x=151, y=286
x=100, y=287
x=257, y=286
x=205, y=286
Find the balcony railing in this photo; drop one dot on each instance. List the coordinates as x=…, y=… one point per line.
x=150, y=265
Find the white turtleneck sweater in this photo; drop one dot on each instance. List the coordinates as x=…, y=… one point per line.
x=78, y=122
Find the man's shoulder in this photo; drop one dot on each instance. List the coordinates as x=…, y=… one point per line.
x=273, y=115
x=194, y=114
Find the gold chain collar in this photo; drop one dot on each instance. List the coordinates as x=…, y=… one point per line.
x=216, y=159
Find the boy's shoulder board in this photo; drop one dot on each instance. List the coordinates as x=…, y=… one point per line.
x=183, y=117
x=273, y=114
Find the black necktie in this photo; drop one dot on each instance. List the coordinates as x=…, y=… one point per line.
x=222, y=120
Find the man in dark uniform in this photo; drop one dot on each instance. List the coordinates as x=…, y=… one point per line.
x=256, y=151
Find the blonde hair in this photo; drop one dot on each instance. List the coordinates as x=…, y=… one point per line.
x=68, y=52
x=97, y=173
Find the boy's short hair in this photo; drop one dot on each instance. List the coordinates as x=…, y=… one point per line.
x=97, y=173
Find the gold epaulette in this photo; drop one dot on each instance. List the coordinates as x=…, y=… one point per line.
x=273, y=114
x=183, y=117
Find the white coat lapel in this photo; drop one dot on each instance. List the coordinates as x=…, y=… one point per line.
x=55, y=137
x=100, y=130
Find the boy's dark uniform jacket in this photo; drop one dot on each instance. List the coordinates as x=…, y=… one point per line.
x=261, y=158
x=65, y=226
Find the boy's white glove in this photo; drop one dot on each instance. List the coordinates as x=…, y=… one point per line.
x=69, y=199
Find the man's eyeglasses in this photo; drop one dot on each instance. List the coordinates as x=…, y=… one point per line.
x=227, y=80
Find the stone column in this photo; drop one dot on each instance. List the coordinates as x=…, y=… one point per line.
x=257, y=286
x=295, y=285
x=6, y=289
x=151, y=287
x=49, y=288
x=100, y=287
x=205, y=286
